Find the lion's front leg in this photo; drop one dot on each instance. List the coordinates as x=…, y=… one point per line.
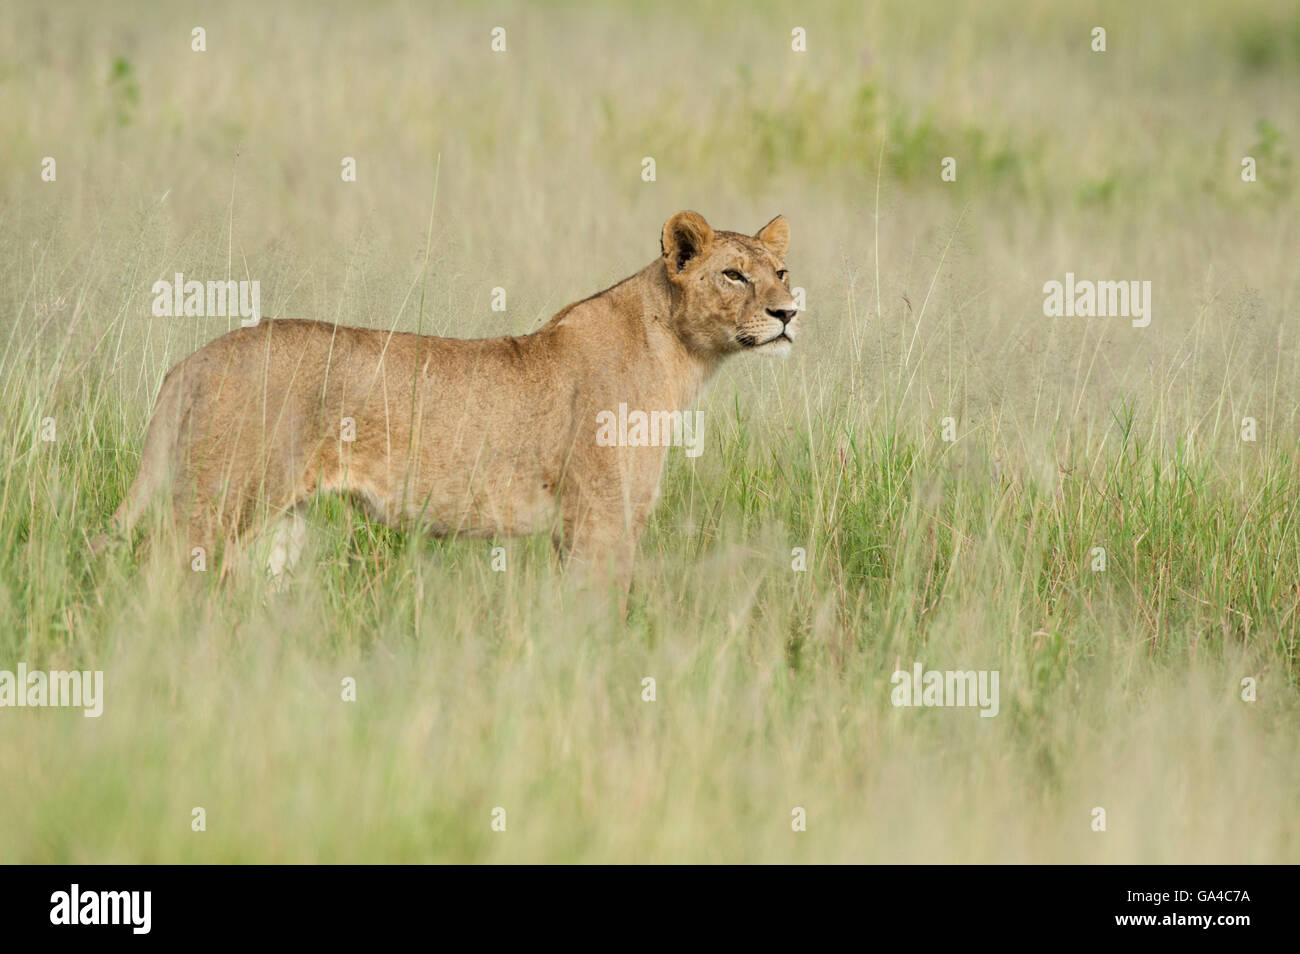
x=605, y=502
x=598, y=538
x=598, y=544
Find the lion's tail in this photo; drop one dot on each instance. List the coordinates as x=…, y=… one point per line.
x=160, y=445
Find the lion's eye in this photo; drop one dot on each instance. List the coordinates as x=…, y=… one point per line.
x=734, y=275
x=782, y=274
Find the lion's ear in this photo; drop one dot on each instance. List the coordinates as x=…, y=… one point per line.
x=775, y=235
x=685, y=236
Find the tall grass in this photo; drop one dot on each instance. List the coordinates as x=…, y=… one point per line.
x=478, y=689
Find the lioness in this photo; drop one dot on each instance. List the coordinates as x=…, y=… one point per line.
x=462, y=436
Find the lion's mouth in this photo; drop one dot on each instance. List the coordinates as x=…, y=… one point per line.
x=748, y=341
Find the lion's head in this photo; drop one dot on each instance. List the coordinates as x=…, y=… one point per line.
x=731, y=292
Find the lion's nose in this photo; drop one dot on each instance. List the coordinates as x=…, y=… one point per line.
x=785, y=314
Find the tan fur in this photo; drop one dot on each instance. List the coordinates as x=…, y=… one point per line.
x=473, y=437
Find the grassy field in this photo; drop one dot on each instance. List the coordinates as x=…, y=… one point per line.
x=1121, y=689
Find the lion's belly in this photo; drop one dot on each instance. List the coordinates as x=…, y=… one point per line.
x=484, y=508
x=450, y=491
